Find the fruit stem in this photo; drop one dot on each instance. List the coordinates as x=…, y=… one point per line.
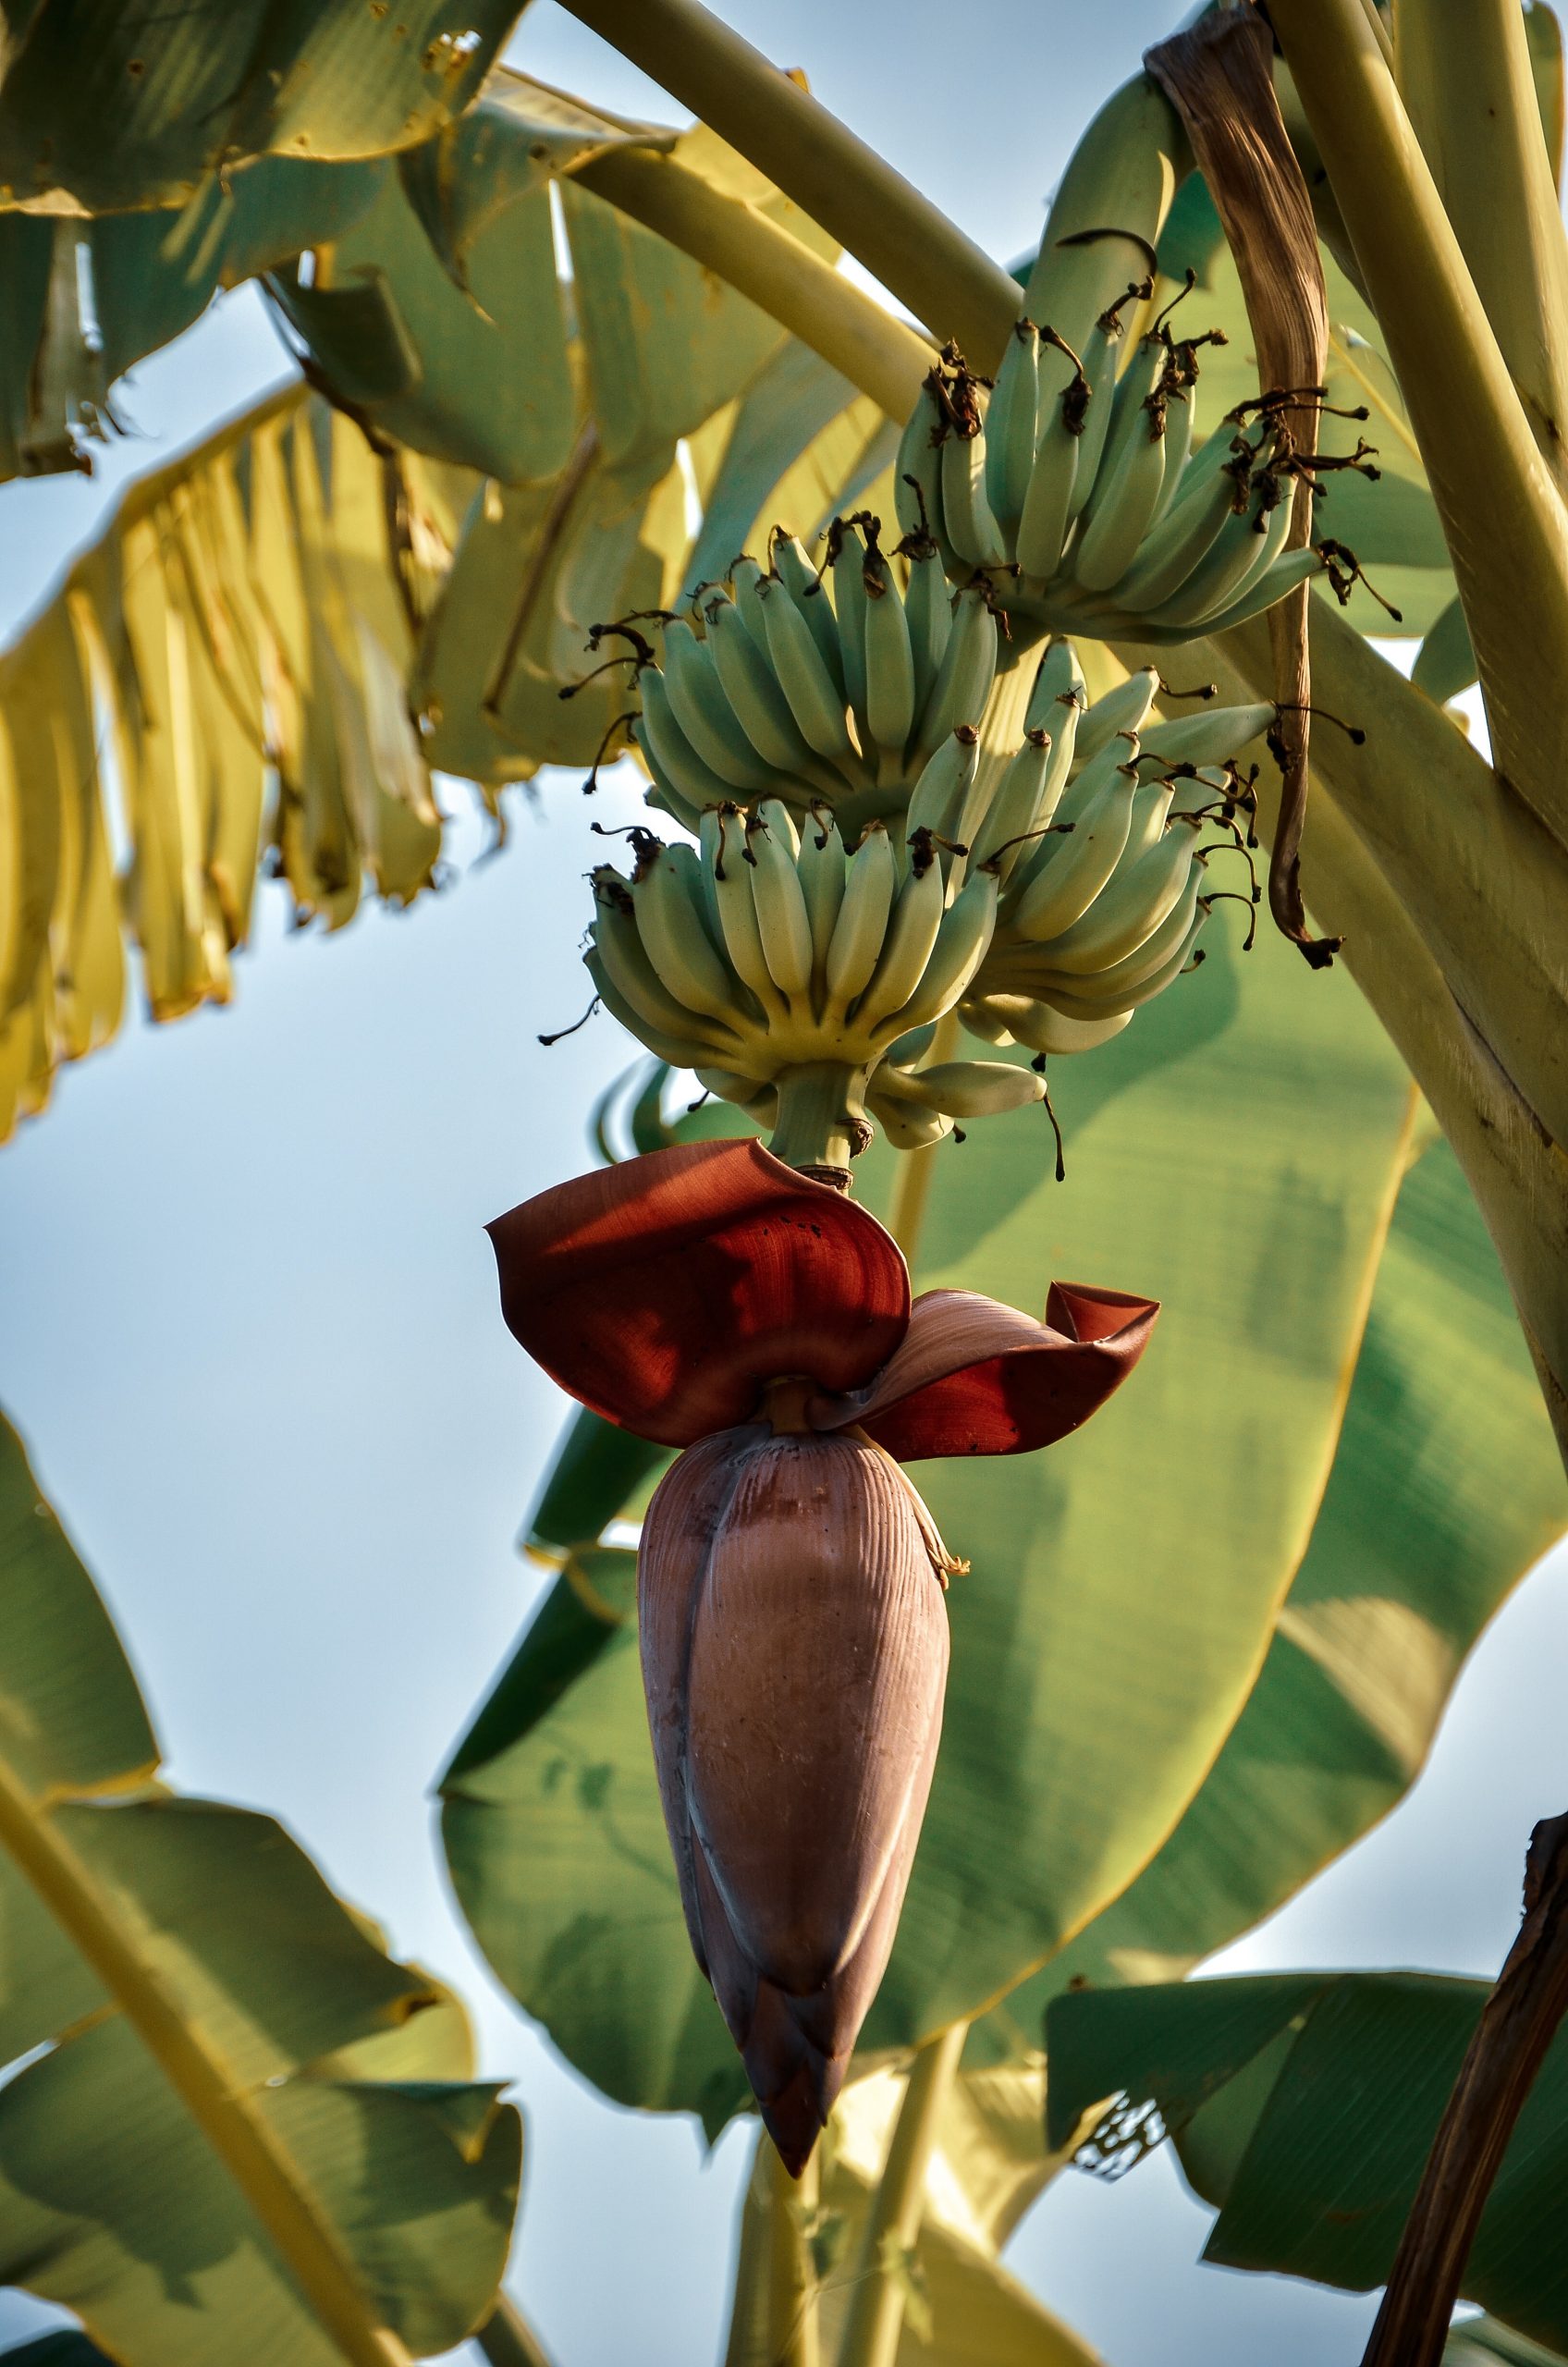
x=821, y=1121
x=892, y=2228
x=903, y=239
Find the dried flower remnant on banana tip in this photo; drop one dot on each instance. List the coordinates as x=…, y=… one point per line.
x=789, y=1579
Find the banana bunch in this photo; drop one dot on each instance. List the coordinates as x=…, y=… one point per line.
x=831, y=689
x=768, y=959
x=1102, y=899
x=1086, y=509
x=1076, y=481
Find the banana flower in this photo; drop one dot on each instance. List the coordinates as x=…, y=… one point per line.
x=793, y=1632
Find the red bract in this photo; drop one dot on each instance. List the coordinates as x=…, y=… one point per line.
x=789, y=1581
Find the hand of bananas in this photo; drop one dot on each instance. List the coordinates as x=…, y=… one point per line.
x=791, y=972
x=783, y=687
x=1080, y=500
x=1073, y=482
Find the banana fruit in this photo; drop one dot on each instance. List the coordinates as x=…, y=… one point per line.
x=833, y=688
x=1045, y=894
x=1078, y=484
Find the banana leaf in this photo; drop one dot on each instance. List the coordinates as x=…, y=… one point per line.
x=1302, y=2107
x=229, y=656
x=233, y=2123
x=1446, y=1487
x=1487, y=2342
x=961, y=2307
x=1111, y=1628
x=107, y=107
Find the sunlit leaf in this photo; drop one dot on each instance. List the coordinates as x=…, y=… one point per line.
x=986, y=2165
x=1339, y=2081
x=1415, y=1549
x=224, y=668
x=230, y=2086
x=107, y=106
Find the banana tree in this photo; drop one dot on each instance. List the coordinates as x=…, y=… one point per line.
x=943, y=781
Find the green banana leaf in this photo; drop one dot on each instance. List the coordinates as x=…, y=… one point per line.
x=245, y=2128
x=1389, y=523
x=1446, y=1488
x=1487, y=2342
x=1303, y=2106
x=150, y=275
x=1113, y=1622
x=107, y=107
x=962, y=2308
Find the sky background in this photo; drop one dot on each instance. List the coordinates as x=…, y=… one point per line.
x=248, y=1328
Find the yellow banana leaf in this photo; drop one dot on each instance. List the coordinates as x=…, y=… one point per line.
x=222, y=675
x=962, y=2308
x=245, y=2129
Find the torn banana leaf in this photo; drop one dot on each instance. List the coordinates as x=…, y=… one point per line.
x=110, y=106
x=246, y=2129
x=1303, y=2106
x=223, y=671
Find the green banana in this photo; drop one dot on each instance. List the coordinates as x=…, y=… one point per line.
x=705, y=715
x=1211, y=736
x=939, y=793
x=956, y=949
x=1207, y=497
x=1078, y=867
x=1022, y=806
x=888, y=665
x=856, y=945
x=1013, y=426
x=847, y=564
x=745, y=576
x=1264, y=590
x=1020, y=1020
x=724, y=857
x=964, y=678
x=1059, y=679
x=907, y=1125
x=670, y=752
x=671, y=922
x=1107, y=990
x=815, y=701
x=783, y=924
x=967, y=516
x=1235, y=559
x=928, y=615
x=1129, y=998
x=1054, y=492
x=907, y=946
x=746, y=676
x=1129, y=909
x=680, y=1051
x=1121, y=709
x=628, y=969
x=917, y=475
x=805, y=587
x=822, y=884
x=1151, y=809
x=972, y=1089
x=1127, y=487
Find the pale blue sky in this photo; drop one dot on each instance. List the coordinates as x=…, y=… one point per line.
x=250, y=1331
